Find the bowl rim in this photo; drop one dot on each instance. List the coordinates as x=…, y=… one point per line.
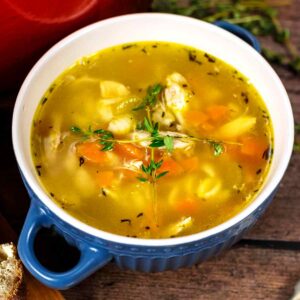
x=111, y=237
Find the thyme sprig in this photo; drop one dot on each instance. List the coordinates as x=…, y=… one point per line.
x=151, y=97
x=156, y=139
x=105, y=137
x=150, y=171
x=217, y=147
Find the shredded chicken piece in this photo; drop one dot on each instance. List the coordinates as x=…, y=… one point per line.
x=163, y=116
x=121, y=124
x=176, y=95
x=143, y=138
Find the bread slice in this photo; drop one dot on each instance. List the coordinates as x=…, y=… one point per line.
x=11, y=272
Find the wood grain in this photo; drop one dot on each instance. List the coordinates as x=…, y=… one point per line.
x=242, y=273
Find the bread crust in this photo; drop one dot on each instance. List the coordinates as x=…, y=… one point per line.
x=8, y=257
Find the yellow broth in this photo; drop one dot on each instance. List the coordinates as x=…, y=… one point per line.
x=210, y=166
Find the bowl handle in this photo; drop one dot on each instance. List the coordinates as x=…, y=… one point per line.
x=90, y=260
x=241, y=32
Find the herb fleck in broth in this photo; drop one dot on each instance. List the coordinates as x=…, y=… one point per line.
x=152, y=140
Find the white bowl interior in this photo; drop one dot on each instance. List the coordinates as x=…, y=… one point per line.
x=154, y=27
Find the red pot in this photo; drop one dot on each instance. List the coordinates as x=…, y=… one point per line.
x=28, y=28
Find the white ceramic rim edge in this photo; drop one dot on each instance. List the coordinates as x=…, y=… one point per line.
x=60, y=213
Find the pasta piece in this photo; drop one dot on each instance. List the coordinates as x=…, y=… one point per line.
x=209, y=187
x=175, y=94
x=71, y=162
x=84, y=183
x=126, y=105
x=236, y=128
x=121, y=125
x=176, y=78
x=133, y=165
x=208, y=169
x=113, y=89
x=105, y=110
x=174, y=194
x=163, y=117
x=141, y=137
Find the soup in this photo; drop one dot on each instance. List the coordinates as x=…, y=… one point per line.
x=152, y=140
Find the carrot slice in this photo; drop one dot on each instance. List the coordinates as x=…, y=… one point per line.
x=129, y=151
x=217, y=112
x=187, y=206
x=190, y=164
x=92, y=152
x=207, y=126
x=254, y=146
x=129, y=174
x=170, y=165
x=105, y=178
x=196, y=117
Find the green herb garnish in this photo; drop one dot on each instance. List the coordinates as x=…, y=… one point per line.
x=259, y=17
x=105, y=137
x=169, y=143
x=151, y=96
x=217, y=147
x=75, y=129
x=150, y=171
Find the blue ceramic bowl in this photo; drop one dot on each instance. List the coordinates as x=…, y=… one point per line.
x=98, y=247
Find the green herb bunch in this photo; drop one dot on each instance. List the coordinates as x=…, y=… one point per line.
x=258, y=16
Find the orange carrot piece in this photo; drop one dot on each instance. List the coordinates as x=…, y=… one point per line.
x=254, y=146
x=217, y=112
x=129, y=151
x=129, y=174
x=170, y=165
x=190, y=164
x=92, y=152
x=207, y=126
x=196, y=117
x=105, y=178
x=187, y=206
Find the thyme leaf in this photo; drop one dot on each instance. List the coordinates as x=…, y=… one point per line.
x=217, y=147
x=150, y=171
x=75, y=129
x=151, y=96
x=162, y=174
x=169, y=143
x=106, y=138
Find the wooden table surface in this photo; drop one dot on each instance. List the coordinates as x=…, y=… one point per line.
x=264, y=265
